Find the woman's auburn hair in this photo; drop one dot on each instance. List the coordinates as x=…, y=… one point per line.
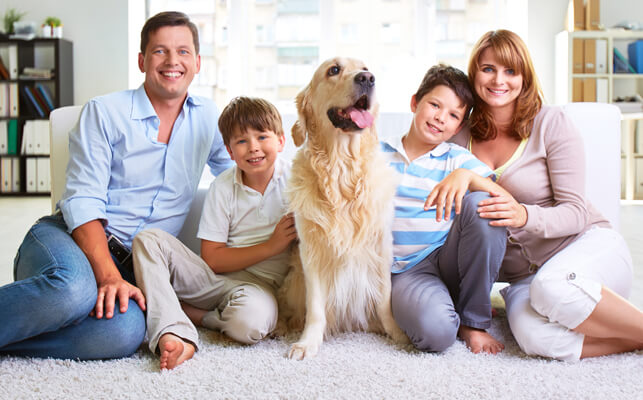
x=511, y=52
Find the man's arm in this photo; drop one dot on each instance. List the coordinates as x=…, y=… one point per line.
x=222, y=258
x=90, y=237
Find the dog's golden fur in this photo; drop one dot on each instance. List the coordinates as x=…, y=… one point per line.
x=341, y=193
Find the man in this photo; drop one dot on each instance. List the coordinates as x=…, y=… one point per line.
x=135, y=161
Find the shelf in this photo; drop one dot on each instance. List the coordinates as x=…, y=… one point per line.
x=622, y=75
x=31, y=94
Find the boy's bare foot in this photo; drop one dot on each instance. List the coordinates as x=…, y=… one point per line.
x=174, y=351
x=195, y=314
x=478, y=340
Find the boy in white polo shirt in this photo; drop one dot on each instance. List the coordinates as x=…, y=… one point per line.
x=443, y=268
x=245, y=234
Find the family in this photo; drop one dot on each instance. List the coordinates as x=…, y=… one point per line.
x=491, y=189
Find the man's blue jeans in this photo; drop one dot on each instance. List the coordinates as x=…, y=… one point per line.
x=45, y=312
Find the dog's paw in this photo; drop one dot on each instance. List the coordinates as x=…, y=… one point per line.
x=300, y=351
x=400, y=337
x=397, y=334
x=280, y=330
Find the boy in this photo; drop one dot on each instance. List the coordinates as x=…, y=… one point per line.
x=443, y=270
x=245, y=234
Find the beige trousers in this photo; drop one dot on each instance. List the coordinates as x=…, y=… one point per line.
x=168, y=273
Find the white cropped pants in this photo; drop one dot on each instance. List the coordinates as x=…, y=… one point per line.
x=542, y=309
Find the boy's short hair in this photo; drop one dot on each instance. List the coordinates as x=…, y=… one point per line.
x=249, y=112
x=450, y=77
x=168, y=18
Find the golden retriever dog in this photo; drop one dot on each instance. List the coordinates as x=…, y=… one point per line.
x=341, y=193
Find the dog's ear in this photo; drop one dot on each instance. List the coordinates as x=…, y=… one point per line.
x=299, y=128
x=298, y=134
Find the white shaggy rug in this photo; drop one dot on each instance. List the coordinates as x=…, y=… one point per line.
x=349, y=366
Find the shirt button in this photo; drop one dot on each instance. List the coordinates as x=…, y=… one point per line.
x=571, y=276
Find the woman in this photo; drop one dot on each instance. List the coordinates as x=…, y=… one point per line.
x=569, y=272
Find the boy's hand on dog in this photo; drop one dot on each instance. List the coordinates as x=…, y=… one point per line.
x=284, y=233
x=451, y=189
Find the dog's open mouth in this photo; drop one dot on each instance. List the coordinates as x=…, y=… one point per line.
x=353, y=118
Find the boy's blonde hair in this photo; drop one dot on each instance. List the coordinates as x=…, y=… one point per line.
x=249, y=112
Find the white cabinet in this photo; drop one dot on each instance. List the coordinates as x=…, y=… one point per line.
x=599, y=47
x=585, y=71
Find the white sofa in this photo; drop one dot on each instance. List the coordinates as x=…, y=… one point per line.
x=598, y=123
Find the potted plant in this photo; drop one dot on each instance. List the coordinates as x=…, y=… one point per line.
x=10, y=16
x=52, y=27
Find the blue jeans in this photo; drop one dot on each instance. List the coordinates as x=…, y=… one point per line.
x=452, y=285
x=45, y=312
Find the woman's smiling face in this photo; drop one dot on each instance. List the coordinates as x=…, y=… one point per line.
x=497, y=85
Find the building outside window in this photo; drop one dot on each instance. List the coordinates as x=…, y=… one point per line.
x=270, y=48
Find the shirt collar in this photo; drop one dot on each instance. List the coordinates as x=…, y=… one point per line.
x=395, y=142
x=142, y=106
x=280, y=170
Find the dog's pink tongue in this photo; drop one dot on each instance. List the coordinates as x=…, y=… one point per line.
x=361, y=118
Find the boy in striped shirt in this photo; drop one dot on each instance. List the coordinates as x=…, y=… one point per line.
x=444, y=267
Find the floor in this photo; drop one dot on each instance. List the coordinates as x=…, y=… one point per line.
x=18, y=213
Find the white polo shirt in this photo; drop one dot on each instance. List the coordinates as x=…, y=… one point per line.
x=240, y=216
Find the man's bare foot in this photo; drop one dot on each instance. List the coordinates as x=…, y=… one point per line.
x=478, y=340
x=174, y=351
x=195, y=314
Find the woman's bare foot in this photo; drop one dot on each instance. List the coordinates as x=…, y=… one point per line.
x=174, y=351
x=195, y=314
x=478, y=340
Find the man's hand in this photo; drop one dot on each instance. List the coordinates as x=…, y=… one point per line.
x=111, y=289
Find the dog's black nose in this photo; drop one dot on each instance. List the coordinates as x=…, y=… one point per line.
x=365, y=79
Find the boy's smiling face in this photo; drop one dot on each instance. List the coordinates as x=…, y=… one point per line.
x=255, y=151
x=438, y=115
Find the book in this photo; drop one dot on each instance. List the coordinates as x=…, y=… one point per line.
x=34, y=102
x=42, y=73
x=12, y=137
x=4, y=72
x=46, y=94
x=39, y=99
x=621, y=64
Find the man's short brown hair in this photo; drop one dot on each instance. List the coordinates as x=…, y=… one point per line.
x=168, y=18
x=249, y=112
x=450, y=77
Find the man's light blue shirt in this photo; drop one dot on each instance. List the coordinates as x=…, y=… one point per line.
x=120, y=173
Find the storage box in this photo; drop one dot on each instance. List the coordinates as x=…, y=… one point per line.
x=589, y=90
x=578, y=56
x=635, y=55
x=575, y=20
x=590, y=56
x=592, y=15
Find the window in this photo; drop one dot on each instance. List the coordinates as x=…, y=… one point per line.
x=270, y=48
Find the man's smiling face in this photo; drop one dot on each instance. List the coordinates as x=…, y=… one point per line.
x=170, y=63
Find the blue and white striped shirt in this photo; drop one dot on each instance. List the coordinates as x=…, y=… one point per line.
x=416, y=233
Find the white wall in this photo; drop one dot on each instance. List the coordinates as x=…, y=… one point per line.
x=106, y=40
x=99, y=31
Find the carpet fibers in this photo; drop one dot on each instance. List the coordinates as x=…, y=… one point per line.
x=349, y=366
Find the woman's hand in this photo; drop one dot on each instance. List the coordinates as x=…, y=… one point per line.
x=451, y=189
x=504, y=210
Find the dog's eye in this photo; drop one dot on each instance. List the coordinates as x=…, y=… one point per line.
x=334, y=70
